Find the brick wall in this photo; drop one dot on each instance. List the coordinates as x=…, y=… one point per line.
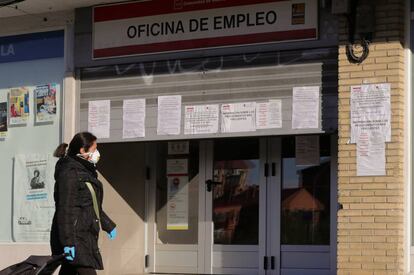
x=371, y=223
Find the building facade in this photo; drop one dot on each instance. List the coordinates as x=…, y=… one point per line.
x=229, y=134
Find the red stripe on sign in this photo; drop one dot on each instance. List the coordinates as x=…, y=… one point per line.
x=158, y=7
x=206, y=43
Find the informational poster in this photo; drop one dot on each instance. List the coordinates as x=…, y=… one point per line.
x=371, y=110
x=201, y=119
x=19, y=106
x=169, y=115
x=3, y=119
x=133, y=118
x=178, y=200
x=305, y=107
x=45, y=102
x=269, y=114
x=33, y=203
x=99, y=118
x=371, y=154
x=307, y=150
x=238, y=117
x=178, y=148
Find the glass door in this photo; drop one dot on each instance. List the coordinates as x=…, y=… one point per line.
x=177, y=224
x=242, y=206
x=235, y=206
x=300, y=211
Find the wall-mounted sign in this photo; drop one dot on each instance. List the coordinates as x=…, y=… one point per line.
x=160, y=26
x=31, y=46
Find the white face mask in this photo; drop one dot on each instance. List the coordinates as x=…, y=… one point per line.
x=93, y=156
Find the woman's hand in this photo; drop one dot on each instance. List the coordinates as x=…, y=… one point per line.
x=112, y=235
x=70, y=252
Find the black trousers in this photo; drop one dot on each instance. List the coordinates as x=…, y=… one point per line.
x=68, y=269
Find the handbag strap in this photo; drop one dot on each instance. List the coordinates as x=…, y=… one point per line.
x=95, y=201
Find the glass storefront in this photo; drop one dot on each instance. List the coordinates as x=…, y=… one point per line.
x=31, y=93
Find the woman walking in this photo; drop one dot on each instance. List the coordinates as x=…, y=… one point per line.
x=78, y=199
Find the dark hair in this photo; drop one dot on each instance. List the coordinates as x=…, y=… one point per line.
x=81, y=140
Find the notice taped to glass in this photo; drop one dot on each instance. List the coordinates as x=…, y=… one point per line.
x=33, y=203
x=3, y=119
x=177, y=205
x=307, y=150
x=19, y=110
x=371, y=110
x=45, y=102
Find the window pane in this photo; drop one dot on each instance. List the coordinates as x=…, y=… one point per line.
x=305, y=217
x=236, y=199
x=168, y=235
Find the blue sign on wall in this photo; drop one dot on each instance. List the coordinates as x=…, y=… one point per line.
x=31, y=46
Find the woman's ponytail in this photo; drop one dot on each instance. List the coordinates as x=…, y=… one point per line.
x=60, y=151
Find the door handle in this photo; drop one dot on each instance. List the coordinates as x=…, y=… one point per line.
x=265, y=267
x=273, y=169
x=210, y=184
x=273, y=262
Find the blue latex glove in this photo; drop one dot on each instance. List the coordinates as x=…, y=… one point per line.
x=112, y=234
x=70, y=250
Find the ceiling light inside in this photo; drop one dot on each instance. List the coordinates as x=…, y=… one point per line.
x=4, y=3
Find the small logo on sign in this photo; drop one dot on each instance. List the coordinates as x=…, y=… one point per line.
x=178, y=4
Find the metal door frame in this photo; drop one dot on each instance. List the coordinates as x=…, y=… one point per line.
x=152, y=246
x=270, y=189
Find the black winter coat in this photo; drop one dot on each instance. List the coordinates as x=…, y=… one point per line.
x=75, y=222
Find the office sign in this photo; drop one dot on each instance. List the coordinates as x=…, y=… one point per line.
x=163, y=26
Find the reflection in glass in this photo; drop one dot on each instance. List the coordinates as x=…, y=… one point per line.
x=305, y=207
x=305, y=203
x=236, y=199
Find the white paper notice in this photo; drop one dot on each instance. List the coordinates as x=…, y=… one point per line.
x=169, y=115
x=134, y=118
x=178, y=148
x=177, y=204
x=371, y=110
x=307, y=150
x=371, y=154
x=305, y=107
x=33, y=204
x=269, y=114
x=238, y=117
x=99, y=118
x=201, y=119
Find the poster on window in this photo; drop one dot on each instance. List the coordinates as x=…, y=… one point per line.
x=33, y=203
x=178, y=200
x=19, y=106
x=3, y=119
x=45, y=102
